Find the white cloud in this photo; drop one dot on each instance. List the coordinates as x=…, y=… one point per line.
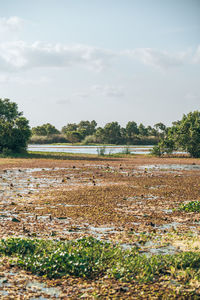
x=108, y=91
x=11, y=24
x=6, y=79
x=156, y=58
x=20, y=55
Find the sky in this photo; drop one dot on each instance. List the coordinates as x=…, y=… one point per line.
x=63, y=61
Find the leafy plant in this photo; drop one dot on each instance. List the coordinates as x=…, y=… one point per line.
x=89, y=258
x=192, y=206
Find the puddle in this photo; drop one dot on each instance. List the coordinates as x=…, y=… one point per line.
x=168, y=226
x=4, y=282
x=151, y=248
x=167, y=211
x=4, y=293
x=171, y=167
x=38, y=286
x=74, y=205
x=17, y=183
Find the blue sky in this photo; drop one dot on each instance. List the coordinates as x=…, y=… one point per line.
x=109, y=60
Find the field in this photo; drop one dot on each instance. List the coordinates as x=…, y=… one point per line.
x=142, y=212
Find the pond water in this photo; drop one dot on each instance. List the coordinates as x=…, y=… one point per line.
x=90, y=149
x=181, y=167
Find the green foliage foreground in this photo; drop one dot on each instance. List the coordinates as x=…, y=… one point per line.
x=90, y=258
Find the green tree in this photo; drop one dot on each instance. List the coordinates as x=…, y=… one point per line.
x=74, y=136
x=87, y=128
x=112, y=133
x=99, y=134
x=45, y=130
x=142, y=130
x=69, y=127
x=187, y=133
x=183, y=135
x=161, y=128
x=14, y=128
x=131, y=129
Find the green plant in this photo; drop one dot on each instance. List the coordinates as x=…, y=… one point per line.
x=184, y=135
x=101, y=151
x=192, y=206
x=91, y=258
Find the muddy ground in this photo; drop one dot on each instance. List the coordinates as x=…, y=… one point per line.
x=132, y=201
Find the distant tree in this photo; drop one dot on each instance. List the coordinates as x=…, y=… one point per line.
x=74, y=136
x=142, y=130
x=131, y=129
x=39, y=130
x=14, y=128
x=50, y=129
x=69, y=127
x=112, y=133
x=161, y=128
x=45, y=130
x=100, y=135
x=123, y=135
x=151, y=131
x=87, y=128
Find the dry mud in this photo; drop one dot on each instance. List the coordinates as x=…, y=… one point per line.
x=132, y=201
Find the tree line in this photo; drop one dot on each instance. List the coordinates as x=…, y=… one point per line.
x=184, y=135
x=88, y=132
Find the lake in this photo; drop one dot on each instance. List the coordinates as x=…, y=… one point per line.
x=90, y=149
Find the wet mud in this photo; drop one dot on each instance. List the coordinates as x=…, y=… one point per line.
x=131, y=201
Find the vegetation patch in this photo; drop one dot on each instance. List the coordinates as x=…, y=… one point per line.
x=90, y=258
x=192, y=206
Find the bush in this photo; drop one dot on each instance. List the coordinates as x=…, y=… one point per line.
x=90, y=139
x=52, y=139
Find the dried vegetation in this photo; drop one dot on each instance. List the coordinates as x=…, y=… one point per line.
x=111, y=199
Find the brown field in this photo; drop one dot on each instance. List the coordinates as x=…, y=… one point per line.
x=109, y=198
